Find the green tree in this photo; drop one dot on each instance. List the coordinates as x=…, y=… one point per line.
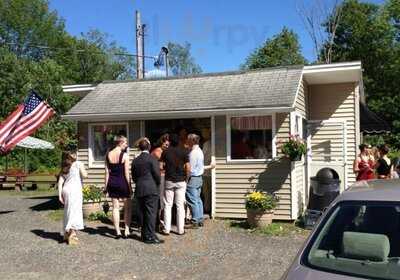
x=24, y=23
x=37, y=53
x=282, y=49
x=99, y=59
x=180, y=60
x=370, y=33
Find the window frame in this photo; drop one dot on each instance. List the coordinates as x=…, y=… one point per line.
x=96, y=163
x=229, y=140
x=324, y=219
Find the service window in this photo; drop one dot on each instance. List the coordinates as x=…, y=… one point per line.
x=101, y=139
x=251, y=138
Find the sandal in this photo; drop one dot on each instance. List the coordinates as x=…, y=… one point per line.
x=73, y=240
x=66, y=237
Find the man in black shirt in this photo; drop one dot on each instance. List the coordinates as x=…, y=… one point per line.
x=177, y=171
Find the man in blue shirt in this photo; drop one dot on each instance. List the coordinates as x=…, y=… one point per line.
x=195, y=183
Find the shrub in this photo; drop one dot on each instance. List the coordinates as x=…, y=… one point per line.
x=91, y=193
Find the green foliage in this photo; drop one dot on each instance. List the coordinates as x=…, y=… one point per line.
x=280, y=50
x=180, y=60
x=274, y=229
x=281, y=229
x=371, y=33
x=92, y=193
x=26, y=24
x=261, y=201
x=98, y=216
x=294, y=147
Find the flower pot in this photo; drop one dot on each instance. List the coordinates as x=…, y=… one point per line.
x=90, y=207
x=259, y=218
x=296, y=157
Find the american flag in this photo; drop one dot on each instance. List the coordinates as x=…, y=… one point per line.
x=24, y=121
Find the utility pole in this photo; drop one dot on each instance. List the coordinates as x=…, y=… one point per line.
x=139, y=47
x=165, y=50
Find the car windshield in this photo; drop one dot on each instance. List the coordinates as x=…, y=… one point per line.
x=360, y=239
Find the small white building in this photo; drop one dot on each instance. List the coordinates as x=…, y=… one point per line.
x=245, y=111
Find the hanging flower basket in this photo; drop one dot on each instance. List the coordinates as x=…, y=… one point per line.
x=295, y=157
x=294, y=148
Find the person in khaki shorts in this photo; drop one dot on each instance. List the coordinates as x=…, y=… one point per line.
x=177, y=171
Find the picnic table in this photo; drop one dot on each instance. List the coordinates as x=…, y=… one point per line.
x=19, y=178
x=30, y=181
x=21, y=175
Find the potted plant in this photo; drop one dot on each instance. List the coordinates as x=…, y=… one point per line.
x=294, y=148
x=260, y=208
x=92, y=196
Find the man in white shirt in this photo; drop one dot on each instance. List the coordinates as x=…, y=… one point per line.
x=195, y=183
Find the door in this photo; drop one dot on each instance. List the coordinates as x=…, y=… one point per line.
x=326, y=145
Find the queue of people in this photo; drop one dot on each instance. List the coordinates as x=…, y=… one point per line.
x=170, y=173
x=374, y=163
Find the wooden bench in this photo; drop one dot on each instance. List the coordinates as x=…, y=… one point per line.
x=3, y=179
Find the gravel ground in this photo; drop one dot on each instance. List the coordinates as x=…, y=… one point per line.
x=30, y=249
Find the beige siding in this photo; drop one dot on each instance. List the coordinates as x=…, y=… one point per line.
x=298, y=168
x=96, y=174
x=336, y=102
x=302, y=99
x=327, y=142
x=234, y=180
x=298, y=188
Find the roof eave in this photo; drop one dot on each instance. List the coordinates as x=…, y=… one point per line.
x=79, y=90
x=346, y=72
x=175, y=114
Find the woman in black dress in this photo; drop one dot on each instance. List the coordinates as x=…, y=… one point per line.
x=118, y=184
x=383, y=165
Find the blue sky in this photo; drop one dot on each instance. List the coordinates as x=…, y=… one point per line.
x=222, y=32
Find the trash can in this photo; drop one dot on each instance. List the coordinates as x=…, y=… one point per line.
x=325, y=187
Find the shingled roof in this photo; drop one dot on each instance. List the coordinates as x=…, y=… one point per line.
x=269, y=88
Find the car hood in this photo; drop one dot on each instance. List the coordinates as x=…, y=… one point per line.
x=300, y=272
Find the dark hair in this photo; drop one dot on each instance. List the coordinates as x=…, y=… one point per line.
x=162, y=139
x=144, y=144
x=362, y=147
x=67, y=160
x=384, y=149
x=174, y=140
x=396, y=163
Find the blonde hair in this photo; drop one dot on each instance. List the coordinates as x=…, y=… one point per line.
x=120, y=139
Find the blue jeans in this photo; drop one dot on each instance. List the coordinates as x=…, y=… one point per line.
x=193, y=198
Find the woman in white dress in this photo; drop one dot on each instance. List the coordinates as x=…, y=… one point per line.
x=70, y=195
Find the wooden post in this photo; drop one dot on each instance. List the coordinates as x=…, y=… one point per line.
x=139, y=47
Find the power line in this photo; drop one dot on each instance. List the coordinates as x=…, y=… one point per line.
x=76, y=50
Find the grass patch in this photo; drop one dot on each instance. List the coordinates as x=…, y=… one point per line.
x=282, y=229
x=56, y=215
x=100, y=216
x=274, y=229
